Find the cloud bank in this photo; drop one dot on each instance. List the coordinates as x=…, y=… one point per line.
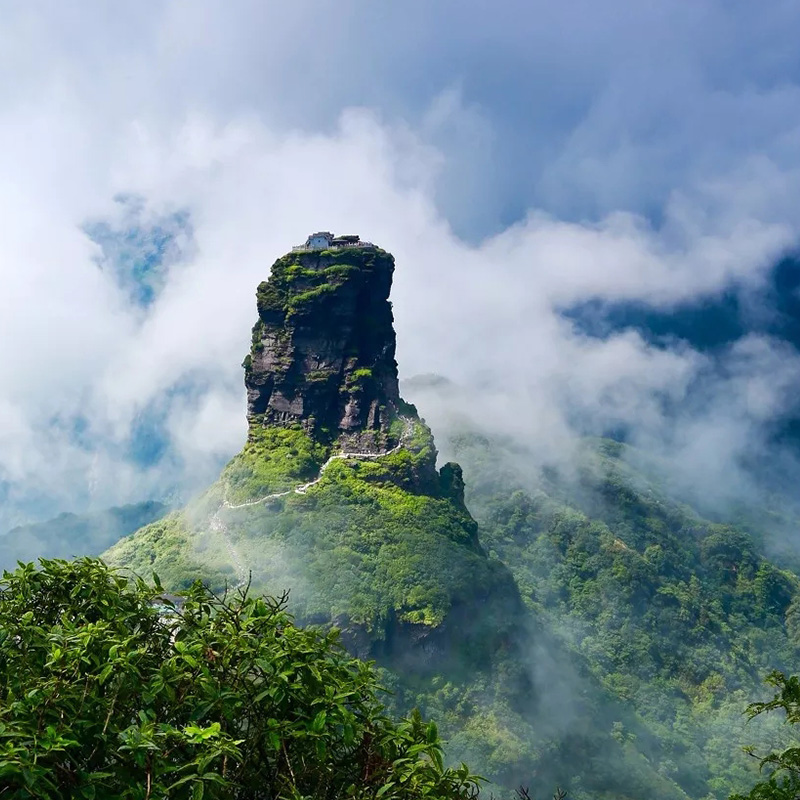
x=158, y=159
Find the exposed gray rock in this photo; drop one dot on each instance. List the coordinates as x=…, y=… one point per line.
x=323, y=352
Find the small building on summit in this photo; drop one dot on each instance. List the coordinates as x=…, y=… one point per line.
x=319, y=241
x=325, y=240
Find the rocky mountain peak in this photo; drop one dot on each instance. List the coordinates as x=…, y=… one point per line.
x=323, y=349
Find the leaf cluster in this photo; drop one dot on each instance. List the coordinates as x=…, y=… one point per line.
x=782, y=767
x=109, y=688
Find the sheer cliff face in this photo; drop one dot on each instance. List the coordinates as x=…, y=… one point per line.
x=323, y=352
x=336, y=495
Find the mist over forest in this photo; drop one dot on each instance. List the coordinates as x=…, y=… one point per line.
x=570, y=536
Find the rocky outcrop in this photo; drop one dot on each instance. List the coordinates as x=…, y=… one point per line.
x=323, y=351
x=337, y=495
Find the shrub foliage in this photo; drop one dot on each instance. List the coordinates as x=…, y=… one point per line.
x=109, y=689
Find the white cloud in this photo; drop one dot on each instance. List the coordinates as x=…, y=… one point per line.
x=231, y=116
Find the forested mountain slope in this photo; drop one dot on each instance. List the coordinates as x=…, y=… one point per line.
x=679, y=617
x=594, y=633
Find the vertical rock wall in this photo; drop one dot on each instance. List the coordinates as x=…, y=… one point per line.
x=323, y=352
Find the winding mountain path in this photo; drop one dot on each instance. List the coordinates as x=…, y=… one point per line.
x=217, y=525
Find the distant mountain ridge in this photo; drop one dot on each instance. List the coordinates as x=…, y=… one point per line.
x=69, y=535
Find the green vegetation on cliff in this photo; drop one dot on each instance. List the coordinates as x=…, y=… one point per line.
x=377, y=540
x=384, y=546
x=274, y=459
x=298, y=284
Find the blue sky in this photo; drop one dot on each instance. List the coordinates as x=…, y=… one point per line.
x=517, y=157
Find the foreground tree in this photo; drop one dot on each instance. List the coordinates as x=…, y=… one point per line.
x=783, y=767
x=107, y=689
